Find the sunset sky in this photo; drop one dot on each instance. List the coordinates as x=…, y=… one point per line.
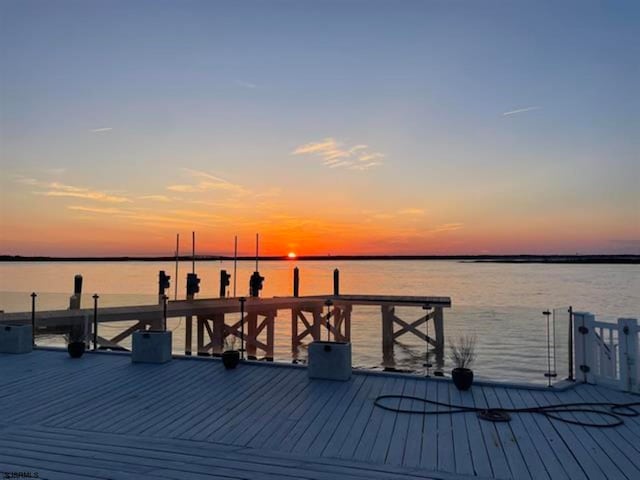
x=412, y=127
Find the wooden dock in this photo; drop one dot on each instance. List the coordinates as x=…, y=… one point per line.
x=218, y=318
x=103, y=417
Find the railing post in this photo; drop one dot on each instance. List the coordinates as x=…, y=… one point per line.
x=570, y=346
x=583, y=334
x=628, y=354
x=95, y=321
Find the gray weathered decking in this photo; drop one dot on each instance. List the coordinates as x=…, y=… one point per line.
x=103, y=417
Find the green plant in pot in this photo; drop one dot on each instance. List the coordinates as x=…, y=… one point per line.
x=463, y=354
x=76, y=341
x=230, y=356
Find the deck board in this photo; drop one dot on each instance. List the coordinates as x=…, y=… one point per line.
x=103, y=417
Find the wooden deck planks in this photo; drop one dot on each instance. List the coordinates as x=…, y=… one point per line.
x=608, y=441
x=479, y=454
x=587, y=456
x=557, y=460
x=78, y=419
x=415, y=434
x=348, y=424
x=446, y=447
x=521, y=437
x=400, y=437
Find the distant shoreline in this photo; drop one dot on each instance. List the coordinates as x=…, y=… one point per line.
x=562, y=259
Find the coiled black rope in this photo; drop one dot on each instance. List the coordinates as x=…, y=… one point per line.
x=613, y=412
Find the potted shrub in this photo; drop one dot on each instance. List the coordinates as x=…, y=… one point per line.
x=75, y=341
x=463, y=354
x=230, y=356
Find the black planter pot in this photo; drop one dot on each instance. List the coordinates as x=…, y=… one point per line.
x=462, y=378
x=76, y=349
x=230, y=359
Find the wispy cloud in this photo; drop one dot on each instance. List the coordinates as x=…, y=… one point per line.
x=56, y=189
x=155, y=198
x=25, y=180
x=206, y=182
x=107, y=211
x=242, y=83
x=143, y=217
x=101, y=130
x=411, y=211
x=335, y=154
x=448, y=227
x=54, y=171
x=520, y=110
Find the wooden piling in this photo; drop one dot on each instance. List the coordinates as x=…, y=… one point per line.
x=387, y=335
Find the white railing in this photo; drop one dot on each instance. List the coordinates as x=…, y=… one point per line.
x=607, y=353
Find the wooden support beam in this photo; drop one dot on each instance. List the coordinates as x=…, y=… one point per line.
x=200, y=321
x=347, y=322
x=122, y=335
x=316, y=331
x=294, y=332
x=387, y=335
x=270, y=334
x=438, y=323
x=105, y=343
x=188, y=334
x=412, y=328
x=217, y=334
x=250, y=343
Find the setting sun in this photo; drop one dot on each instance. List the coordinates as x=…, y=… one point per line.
x=291, y=255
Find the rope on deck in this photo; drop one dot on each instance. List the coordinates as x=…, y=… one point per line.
x=613, y=413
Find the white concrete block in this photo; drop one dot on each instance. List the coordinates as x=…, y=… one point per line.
x=151, y=346
x=16, y=339
x=330, y=360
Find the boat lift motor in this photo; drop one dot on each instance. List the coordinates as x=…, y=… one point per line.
x=255, y=284
x=224, y=282
x=193, y=284
x=163, y=282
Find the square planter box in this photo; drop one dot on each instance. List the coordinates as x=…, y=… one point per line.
x=16, y=339
x=151, y=346
x=330, y=360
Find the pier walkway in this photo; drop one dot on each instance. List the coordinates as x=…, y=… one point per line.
x=103, y=417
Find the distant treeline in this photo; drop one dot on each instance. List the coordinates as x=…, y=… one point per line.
x=583, y=259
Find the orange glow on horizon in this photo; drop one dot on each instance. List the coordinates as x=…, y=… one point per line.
x=292, y=255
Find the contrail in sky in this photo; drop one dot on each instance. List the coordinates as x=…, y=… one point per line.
x=520, y=110
x=98, y=130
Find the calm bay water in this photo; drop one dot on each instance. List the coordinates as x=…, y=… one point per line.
x=501, y=304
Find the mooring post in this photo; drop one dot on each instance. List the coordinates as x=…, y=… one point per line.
x=78, y=327
x=296, y=282
x=336, y=282
x=76, y=299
